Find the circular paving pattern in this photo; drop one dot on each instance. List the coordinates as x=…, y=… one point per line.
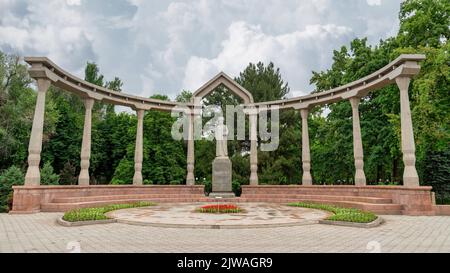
x=255, y=215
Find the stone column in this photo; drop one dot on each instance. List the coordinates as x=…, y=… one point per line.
x=306, y=158
x=410, y=177
x=33, y=177
x=138, y=154
x=253, y=115
x=190, y=179
x=83, y=179
x=360, y=177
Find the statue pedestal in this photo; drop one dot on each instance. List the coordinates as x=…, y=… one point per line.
x=221, y=178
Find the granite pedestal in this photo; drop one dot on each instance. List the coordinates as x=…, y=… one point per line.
x=221, y=180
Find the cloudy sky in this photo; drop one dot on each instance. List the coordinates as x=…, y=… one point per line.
x=166, y=46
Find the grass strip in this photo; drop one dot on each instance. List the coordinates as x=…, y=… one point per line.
x=340, y=214
x=92, y=214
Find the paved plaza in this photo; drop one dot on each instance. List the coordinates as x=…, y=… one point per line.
x=254, y=215
x=40, y=233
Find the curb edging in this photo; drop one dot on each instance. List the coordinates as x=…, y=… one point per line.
x=217, y=226
x=374, y=223
x=65, y=223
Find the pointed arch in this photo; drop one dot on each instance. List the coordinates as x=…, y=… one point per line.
x=228, y=82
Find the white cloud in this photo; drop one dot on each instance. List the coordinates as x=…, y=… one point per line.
x=14, y=37
x=61, y=36
x=295, y=53
x=165, y=46
x=73, y=2
x=373, y=2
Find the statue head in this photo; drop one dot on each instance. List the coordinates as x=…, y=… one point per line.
x=220, y=120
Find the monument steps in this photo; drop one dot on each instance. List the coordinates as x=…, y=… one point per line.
x=372, y=199
x=375, y=204
x=282, y=196
x=388, y=208
x=378, y=208
x=299, y=190
x=336, y=196
x=374, y=207
x=158, y=196
x=61, y=207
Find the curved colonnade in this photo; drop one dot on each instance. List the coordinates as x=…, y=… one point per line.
x=399, y=71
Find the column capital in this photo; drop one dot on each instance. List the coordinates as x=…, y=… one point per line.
x=251, y=111
x=193, y=111
x=354, y=101
x=403, y=82
x=43, y=84
x=140, y=113
x=88, y=103
x=304, y=113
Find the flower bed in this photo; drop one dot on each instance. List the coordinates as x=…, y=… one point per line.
x=96, y=214
x=220, y=208
x=341, y=214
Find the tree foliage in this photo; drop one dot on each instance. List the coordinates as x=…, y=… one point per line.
x=424, y=28
x=8, y=178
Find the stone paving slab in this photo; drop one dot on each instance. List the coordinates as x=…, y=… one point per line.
x=254, y=215
x=40, y=233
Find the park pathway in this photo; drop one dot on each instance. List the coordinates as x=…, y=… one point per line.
x=40, y=233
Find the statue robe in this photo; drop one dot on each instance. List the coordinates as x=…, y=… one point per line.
x=221, y=135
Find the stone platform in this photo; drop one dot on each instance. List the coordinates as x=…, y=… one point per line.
x=382, y=200
x=31, y=199
x=255, y=215
x=378, y=199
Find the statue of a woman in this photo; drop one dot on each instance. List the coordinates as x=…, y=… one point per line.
x=221, y=135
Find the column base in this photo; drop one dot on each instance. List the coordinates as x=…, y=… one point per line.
x=137, y=179
x=83, y=179
x=190, y=182
x=254, y=180
x=360, y=178
x=33, y=176
x=307, y=179
x=410, y=177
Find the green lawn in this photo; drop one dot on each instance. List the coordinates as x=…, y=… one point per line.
x=89, y=214
x=340, y=214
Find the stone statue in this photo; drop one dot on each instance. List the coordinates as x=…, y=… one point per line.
x=221, y=167
x=221, y=135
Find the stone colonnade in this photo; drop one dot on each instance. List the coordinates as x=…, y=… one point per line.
x=410, y=176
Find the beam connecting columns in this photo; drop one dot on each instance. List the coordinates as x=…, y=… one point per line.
x=190, y=179
x=306, y=157
x=360, y=177
x=33, y=176
x=410, y=177
x=138, y=152
x=83, y=179
x=253, y=115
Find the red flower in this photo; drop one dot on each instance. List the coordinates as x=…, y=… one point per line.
x=220, y=208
